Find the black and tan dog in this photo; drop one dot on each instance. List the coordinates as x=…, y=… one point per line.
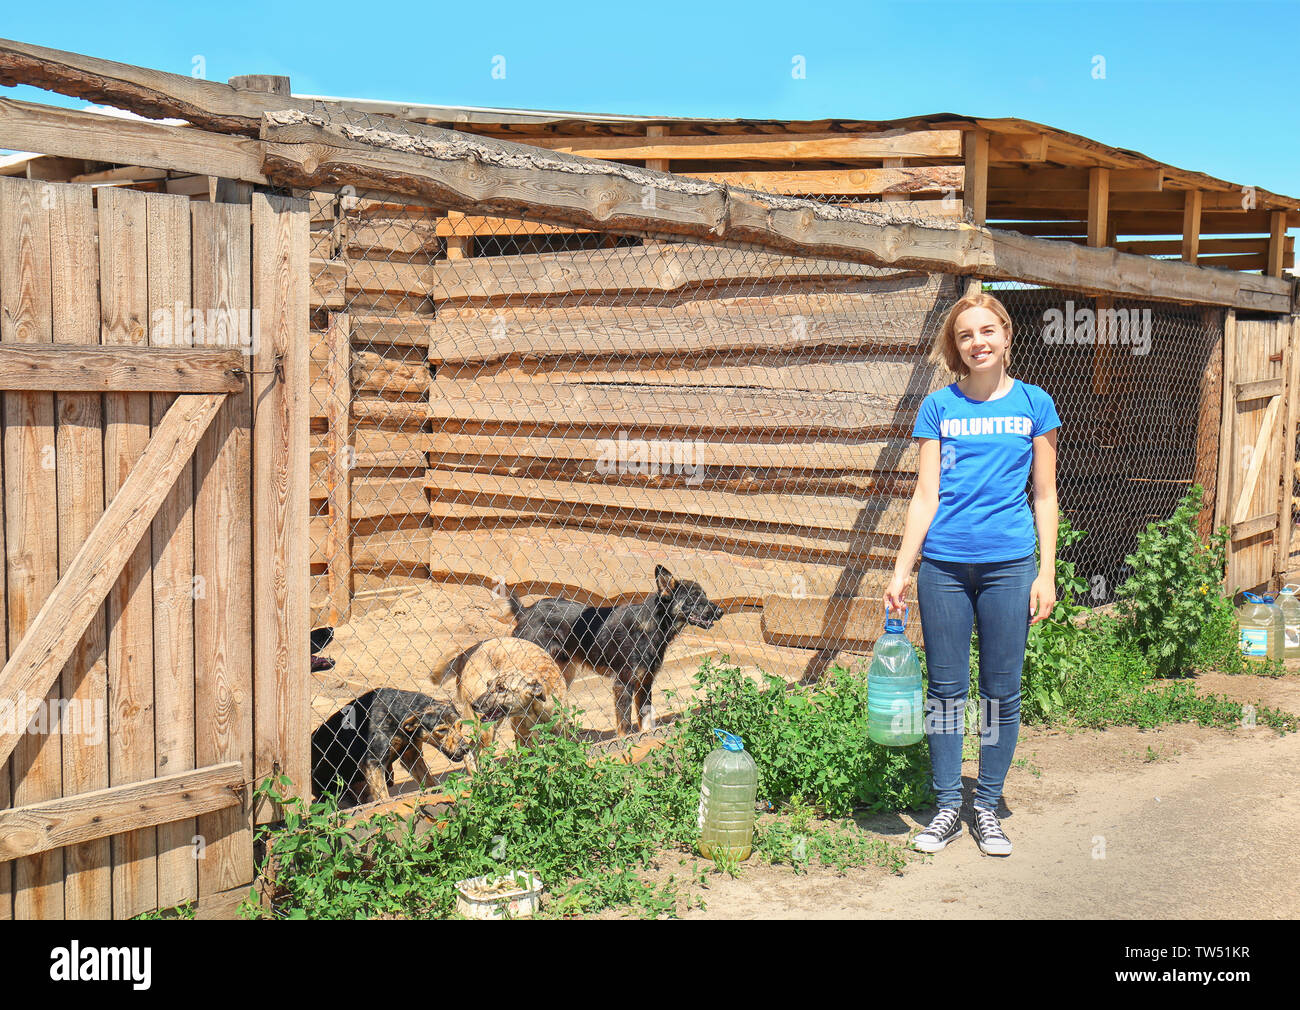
x=625, y=643
x=362, y=740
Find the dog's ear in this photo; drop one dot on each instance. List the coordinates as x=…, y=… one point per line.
x=411, y=723
x=664, y=580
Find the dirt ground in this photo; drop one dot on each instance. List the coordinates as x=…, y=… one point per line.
x=1177, y=822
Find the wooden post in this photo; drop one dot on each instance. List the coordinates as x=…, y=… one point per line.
x=87, y=885
x=1227, y=430
x=31, y=522
x=976, y=191
x=1209, y=400
x=281, y=478
x=1286, y=524
x=223, y=558
x=1276, y=243
x=168, y=219
x=340, y=457
x=1192, y=225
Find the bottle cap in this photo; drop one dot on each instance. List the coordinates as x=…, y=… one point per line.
x=892, y=624
x=730, y=741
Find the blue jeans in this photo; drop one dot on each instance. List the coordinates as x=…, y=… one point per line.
x=952, y=595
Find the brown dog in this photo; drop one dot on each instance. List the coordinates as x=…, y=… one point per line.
x=506, y=679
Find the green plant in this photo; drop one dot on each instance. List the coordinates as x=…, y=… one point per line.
x=185, y=910
x=806, y=739
x=1174, y=589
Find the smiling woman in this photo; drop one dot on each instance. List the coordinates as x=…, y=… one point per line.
x=980, y=437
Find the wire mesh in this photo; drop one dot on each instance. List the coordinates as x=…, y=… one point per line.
x=506, y=409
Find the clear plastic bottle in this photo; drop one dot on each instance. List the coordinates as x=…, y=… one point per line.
x=1258, y=624
x=1286, y=599
x=727, y=792
x=895, y=706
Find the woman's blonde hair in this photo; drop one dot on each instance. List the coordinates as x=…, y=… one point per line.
x=945, y=350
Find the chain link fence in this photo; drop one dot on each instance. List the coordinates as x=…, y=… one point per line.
x=509, y=410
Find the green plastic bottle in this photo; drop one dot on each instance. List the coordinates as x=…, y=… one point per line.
x=895, y=706
x=1286, y=599
x=727, y=792
x=1259, y=624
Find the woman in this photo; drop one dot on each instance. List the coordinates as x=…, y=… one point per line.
x=970, y=515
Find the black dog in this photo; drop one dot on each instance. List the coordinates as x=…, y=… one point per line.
x=625, y=643
x=364, y=738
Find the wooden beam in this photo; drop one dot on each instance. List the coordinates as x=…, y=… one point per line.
x=1024, y=178
x=772, y=146
x=77, y=368
x=1227, y=426
x=207, y=104
x=89, y=135
x=52, y=636
x=73, y=820
x=908, y=180
x=462, y=172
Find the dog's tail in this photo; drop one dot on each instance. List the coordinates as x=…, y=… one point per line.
x=448, y=665
x=510, y=607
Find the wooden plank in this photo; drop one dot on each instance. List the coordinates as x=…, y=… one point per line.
x=223, y=558
x=30, y=516
x=281, y=674
x=1286, y=525
x=1259, y=389
x=95, y=568
x=70, y=368
x=601, y=569
x=1254, y=526
x=1029, y=179
x=124, y=141
x=858, y=322
x=825, y=622
x=662, y=268
x=340, y=456
x=559, y=405
x=805, y=454
x=377, y=497
x=172, y=533
x=87, y=881
x=908, y=180
x=1277, y=223
x=775, y=146
x=830, y=512
x=124, y=286
x=1098, y=206
x=74, y=820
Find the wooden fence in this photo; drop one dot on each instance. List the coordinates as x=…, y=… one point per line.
x=154, y=481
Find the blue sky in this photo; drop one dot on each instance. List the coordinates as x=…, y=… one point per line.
x=1205, y=86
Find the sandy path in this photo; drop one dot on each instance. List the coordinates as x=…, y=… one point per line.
x=1196, y=823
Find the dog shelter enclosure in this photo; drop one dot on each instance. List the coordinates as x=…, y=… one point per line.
x=302, y=364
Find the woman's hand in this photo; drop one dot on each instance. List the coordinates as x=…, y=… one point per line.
x=896, y=591
x=1042, y=598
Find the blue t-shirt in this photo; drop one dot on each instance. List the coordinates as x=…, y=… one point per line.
x=985, y=453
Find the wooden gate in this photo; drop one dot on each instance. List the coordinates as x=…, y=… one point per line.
x=1259, y=422
x=152, y=377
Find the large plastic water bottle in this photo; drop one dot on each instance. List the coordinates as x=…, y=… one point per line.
x=727, y=791
x=895, y=707
x=1286, y=600
x=1259, y=624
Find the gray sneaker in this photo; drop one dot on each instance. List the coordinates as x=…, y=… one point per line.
x=943, y=829
x=988, y=833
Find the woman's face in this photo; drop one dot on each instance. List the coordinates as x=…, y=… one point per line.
x=981, y=340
